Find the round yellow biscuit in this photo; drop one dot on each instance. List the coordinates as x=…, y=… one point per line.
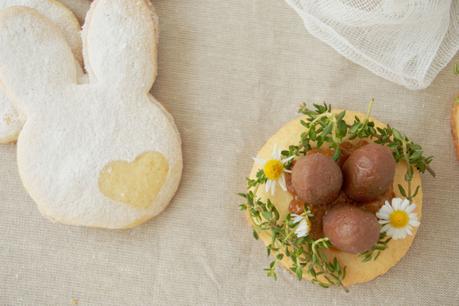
x=357, y=270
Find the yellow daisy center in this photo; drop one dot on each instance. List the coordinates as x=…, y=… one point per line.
x=399, y=219
x=273, y=169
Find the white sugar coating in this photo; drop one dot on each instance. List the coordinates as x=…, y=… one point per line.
x=70, y=27
x=74, y=130
x=58, y=14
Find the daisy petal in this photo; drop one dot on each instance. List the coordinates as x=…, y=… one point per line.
x=260, y=161
x=302, y=230
x=384, y=211
x=282, y=182
x=404, y=204
x=388, y=207
x=390, y=231
x=268, y=185
x=396, y=203
x=296, y=218
x=285, y=160
x=386, y=228
x=410, y=208
x=273, y=187
x=276, y=152
x=383, y=214
x=402, y=233
x=398, y=234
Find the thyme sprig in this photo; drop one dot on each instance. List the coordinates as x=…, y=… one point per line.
x=305, y=254
x=376, y=250
x=405, y=150
x=323, y=126
x=260, y=178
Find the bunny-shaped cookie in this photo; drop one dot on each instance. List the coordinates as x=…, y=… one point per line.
x=102, y=154
x=10, y=121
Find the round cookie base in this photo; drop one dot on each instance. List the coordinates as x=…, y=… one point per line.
x=357, y=270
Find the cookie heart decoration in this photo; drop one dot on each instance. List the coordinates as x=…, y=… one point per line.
x=104, y=153
x=137, y=183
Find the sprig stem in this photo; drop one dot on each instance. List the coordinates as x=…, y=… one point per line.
x=370, y=109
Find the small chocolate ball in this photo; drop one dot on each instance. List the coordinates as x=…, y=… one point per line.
x=317, y=179
x=368, y=172
x=351, y=229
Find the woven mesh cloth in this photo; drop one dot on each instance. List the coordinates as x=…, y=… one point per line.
x=405, y=41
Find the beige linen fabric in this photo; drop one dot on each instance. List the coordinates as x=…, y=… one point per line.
x=232, y=73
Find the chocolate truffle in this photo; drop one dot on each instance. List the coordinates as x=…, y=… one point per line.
x=317, y=179
x=351, y=229
x=368, y=172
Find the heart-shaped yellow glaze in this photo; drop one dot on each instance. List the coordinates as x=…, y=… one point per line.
x=134, y=183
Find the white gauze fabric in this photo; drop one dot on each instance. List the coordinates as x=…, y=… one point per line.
x=404, y=41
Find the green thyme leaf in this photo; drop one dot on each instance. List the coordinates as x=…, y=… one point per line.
x=402, y=190
x=374, y=252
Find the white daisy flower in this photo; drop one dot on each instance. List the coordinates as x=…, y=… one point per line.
x=274, y=170
x=398, y=218
x=303, y=225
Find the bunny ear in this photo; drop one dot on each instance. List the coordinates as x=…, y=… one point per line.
x=34, y=55
x=58, y=14
x=120, y=47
